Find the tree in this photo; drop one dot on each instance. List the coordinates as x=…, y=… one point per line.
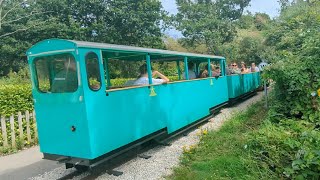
x=261, y=20
x=246, y=21
x=16, y=18
x=120, y=22
x=208, y=22
x=284, y=4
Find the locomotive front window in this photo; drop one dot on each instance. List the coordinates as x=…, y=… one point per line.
x=56, y=73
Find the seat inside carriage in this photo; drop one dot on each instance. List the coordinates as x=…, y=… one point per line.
x=100, y=115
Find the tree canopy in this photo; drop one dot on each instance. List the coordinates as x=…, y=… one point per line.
x=209, y=22
x=23, y=23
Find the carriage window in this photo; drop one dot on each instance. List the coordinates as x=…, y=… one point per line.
x=56, y=73
x=93, y=72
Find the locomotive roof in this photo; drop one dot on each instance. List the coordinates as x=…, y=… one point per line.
x=113, y=50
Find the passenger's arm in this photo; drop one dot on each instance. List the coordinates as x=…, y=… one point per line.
x=161, y=76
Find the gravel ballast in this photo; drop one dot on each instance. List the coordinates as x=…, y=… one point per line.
x=163, y=158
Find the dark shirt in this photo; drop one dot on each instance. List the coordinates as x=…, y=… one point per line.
x=65, y=81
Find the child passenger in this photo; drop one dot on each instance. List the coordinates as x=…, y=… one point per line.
x=144, y=80
x=204, y=73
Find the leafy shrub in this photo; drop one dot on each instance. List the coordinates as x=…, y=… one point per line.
x=290, y=148
x=14, y=98
x=296, y=38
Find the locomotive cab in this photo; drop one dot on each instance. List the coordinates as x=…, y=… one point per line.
x=59, y=99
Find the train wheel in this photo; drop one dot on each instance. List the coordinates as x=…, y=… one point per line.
x=81, y=168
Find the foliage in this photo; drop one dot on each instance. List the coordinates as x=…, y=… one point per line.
x=247, y=49
x=257, y=21
x=224, y=154
x=120, y=22
x=13, y=78
x=295, y=70
x=174, y=45
x=290, y=148
x=261, y=21
x=246, y=21
x=208, y=22
x=14, y=98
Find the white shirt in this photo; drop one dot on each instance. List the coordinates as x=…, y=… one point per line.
x=130, y=83
x=145, y=81
x=256, y=69
x=192, y=75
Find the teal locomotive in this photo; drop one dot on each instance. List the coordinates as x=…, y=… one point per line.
x=81, y=119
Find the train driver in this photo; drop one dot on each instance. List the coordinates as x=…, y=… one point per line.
x=66, y=80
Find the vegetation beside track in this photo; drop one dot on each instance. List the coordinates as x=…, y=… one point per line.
x=255, y=144
x=225, y=154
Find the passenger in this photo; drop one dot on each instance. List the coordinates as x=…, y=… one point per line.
x=216, y=72
x=130, y=83
x=66, y=80
x=235, y=69
x=143, y=78
x=254, y=68
x=244, y=68
x=192, y=74
x=204, y=73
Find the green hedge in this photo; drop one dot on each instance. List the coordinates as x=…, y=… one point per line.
x=290, y=148
x=14, y=98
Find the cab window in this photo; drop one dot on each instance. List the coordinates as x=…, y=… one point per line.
x=56, y=73
x=93, y=72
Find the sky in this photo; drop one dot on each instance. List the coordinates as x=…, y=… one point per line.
x=270, y=7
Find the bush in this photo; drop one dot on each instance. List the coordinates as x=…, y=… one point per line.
x=290, y=148
x=296, y=71
x=14, y=98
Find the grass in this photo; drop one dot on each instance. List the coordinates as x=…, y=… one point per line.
x=224, y=154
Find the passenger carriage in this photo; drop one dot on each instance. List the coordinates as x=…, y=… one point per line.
x=81, y=118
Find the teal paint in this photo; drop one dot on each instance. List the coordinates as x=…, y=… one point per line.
x=222, y=67
x=239, y=84
x=106, y=64
x=234, y=86
x=187, y=110
x=149, y=68
x=56, y=113
x=186, y=70
x=107, y=122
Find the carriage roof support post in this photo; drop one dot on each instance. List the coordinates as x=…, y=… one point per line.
x=197, y=69
x=178, y=69
x=149, y=68
x=222, y=67
x=209, y=68
x=107, y=74
x=186, y=68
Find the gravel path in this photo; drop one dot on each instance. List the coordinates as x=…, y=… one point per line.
x=164, y=158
